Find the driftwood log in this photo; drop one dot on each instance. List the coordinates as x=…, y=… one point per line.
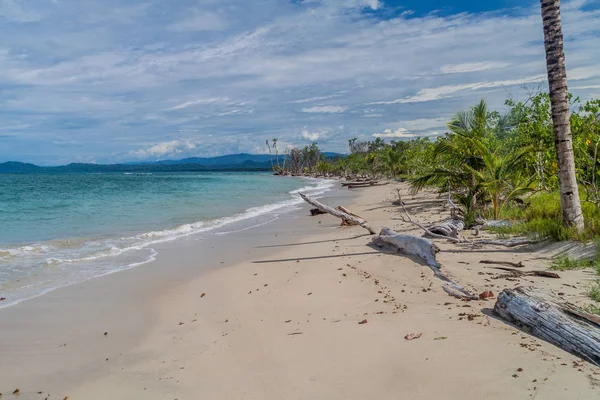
x=509, y=263
x=425, y=250
x=359, y=183
x=337, y=213
x=517, y=274
x=553, y=320
x=316, y=211
x=449, y=227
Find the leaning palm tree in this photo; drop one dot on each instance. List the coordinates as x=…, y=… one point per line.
x=557, y=81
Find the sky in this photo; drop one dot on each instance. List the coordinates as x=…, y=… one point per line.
x=111, y=81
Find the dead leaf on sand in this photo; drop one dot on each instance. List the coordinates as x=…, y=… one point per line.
x=486, y=295
x=413, y=336
x=364, y=321
x=202, y=295
x=440, y=338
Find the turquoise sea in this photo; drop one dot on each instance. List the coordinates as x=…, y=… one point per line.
x=60, y=229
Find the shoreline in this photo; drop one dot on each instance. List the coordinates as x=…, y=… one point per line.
x=48, y=335
x=281, y=319
x=50, y=252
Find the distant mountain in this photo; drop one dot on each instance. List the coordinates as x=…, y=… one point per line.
x=232, y=162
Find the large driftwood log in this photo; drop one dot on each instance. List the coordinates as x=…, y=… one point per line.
x=337, y=213
x=553, y=320
x=449, y=227
x=426, y=250
x=359, y=183
x=409, y=244
x=363, y=185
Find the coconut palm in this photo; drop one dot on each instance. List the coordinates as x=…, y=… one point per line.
x=557, y=80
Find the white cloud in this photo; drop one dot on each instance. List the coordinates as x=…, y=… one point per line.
x=200, y=21
x=583, y=73
x=398, y=133
x=441, y=92
x=472, y=67
x=325, y=109
x=196, y=102
x=311, y=99
x=166, y=149
x=119, y=75
x=312, y=136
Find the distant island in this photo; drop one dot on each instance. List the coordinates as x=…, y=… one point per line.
x=231, y=162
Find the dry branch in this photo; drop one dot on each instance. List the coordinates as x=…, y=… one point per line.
x=517, y=273
x=509, y=263
x=337, y=213
x=551, y=319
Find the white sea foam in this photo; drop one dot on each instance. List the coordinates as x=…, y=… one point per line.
x=43, y=267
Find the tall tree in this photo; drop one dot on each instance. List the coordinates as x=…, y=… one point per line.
x=276, y=152
x=559, y=100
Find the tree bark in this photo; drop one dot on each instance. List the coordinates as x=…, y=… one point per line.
x=337, y=213
x=553, y=320
x=557, y=81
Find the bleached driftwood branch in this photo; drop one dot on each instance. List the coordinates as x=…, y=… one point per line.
x=551, y=319
x=426, y=250
x=337, y=213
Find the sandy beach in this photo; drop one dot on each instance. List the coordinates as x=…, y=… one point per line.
x=301, y=309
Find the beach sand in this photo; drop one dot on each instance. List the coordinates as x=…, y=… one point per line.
x=277, y=315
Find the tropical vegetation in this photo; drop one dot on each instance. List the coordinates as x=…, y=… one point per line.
x=495, y=165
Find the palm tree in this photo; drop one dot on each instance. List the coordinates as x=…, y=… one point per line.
x=557, y=81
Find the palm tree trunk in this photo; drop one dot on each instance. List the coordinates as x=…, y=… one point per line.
x=557, y=81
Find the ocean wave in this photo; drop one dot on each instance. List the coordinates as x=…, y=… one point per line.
x=81, y=259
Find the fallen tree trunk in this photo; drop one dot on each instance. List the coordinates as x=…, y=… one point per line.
x=362, y=185
x=516, y=273
x=449, y=227
x=359, y=183
x=426, y=250
x=337, y=213
x=552, y=320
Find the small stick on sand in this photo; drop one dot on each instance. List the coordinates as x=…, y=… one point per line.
x=509, y=263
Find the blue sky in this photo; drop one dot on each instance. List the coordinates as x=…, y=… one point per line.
x=124, y=80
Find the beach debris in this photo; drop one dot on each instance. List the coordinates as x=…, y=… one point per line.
x=309, y=294
x=105, y=333
x=448, y=227
x=288, y=321
x=413, y=336
x=316, y=211
x=2, y=298
x=338, y=213
x=509, y=263
x=295, y=333
x=66, y=398
x=16, y=392
x=549, y=318
x=364, y=321
x=181, y=323
x=202, y=295
x=517, y=274
x=440, y=338
x=426, y=250
x=486, y=295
